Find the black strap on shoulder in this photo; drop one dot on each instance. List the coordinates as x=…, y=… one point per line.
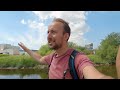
x=73, y=71
x=51, y=60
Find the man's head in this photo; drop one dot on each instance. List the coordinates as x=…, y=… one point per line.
x=58, y=33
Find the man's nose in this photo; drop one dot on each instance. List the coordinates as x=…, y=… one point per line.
x=49, y=35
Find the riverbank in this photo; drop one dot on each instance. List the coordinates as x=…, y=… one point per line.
x=26, y=62
x=40, y=67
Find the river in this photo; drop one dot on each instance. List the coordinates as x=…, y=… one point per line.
x=23, y=74
x=38, y=74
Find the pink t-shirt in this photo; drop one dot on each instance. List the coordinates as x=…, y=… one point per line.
x=60, y=64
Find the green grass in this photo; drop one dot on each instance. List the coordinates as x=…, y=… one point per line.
x=18, y=61
x=26, y=61
x=109, y=70
x=3, y=55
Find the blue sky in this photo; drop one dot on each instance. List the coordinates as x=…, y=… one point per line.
x=30, y=27
x=101, y=24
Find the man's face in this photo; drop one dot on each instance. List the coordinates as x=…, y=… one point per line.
x=55, y=35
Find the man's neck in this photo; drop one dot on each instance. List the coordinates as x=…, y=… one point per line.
x=61, y=51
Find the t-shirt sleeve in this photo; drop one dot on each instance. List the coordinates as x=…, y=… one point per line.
x=82, y=61
x=48, y=58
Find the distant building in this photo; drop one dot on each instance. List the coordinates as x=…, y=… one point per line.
x=22, y=52
x=89, y=46
x=9, y=49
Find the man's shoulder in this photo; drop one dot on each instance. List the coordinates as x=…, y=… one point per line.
x=78, y=52
x=51, y=54
x=80, y=56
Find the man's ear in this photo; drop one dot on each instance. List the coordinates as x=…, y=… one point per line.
x=66, y=36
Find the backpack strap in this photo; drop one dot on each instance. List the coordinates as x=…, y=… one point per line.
x=51, y=60
x=73, y=71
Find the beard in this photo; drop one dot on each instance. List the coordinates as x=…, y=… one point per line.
x=54, y=46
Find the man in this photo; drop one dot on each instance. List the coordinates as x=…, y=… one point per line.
x=58, y=35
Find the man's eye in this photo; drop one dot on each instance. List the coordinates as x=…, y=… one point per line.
x=53, y=32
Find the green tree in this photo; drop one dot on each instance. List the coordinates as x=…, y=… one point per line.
x=72, y=45
x=44, y=50
x=108, y=47
x=79, y=48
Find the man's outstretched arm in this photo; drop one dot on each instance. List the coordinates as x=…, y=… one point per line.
x=118, y=63
x=90, y=72
x=34, y=55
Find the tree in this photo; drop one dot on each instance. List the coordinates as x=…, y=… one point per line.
x=108, y=47
x=44, y=50
x=79, y=48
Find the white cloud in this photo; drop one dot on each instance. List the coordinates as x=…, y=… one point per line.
x=23, y=21
x=76, y=19
x=37, y=25
x=37, y=36
x=7, y=38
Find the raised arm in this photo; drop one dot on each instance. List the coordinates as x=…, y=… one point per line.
x=34, y=55
x=90, y=72
x=118, y=63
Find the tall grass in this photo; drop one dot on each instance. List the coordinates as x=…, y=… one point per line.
x=17, y=61
x=26, y=61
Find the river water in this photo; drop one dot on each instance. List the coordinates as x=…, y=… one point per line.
x=23, y=74
x=38, y=74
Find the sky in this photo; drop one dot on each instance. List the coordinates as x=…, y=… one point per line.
x=30, y=27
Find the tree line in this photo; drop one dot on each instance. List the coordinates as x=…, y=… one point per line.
x=106, y=51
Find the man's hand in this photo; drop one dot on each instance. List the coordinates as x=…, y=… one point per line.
x=22, y=46
x=34, y=55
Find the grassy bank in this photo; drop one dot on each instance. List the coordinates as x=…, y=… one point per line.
x=25, y=61
x=17, y=61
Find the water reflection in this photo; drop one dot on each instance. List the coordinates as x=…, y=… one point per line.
x=32, y=76
x=23, y=74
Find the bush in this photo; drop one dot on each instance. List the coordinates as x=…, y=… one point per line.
x=96, y=59
x=108, y=47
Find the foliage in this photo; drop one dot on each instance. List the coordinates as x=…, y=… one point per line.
x=2, y=55
x=45, y=50
x=79, y=48
x=108, y=47
x=17, y=61
x=97, y=59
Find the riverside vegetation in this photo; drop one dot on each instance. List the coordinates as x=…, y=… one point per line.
x=18, y=62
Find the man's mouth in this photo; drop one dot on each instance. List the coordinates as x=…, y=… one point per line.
x=50, y=43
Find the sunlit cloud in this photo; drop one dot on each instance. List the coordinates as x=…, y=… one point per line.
x=76, y=19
